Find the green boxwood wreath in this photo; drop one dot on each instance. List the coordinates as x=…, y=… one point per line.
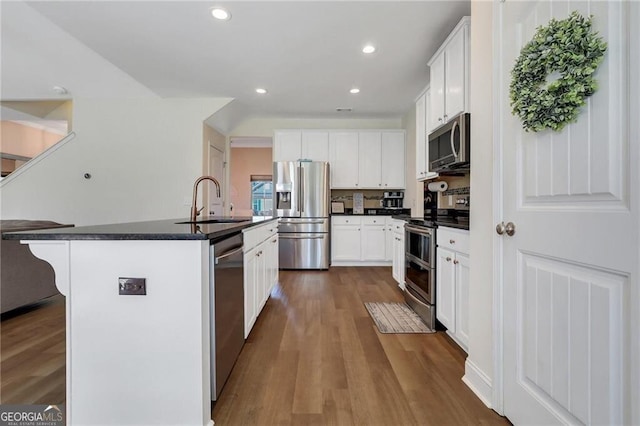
x=568, y=49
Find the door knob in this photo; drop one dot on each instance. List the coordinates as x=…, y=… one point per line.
x=509, y=228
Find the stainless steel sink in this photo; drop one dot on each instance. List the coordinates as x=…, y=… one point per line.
x=214, y=220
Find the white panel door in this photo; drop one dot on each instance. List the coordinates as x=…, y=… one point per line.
x=455, y=83
x=436, y=106
x=343, y=155
x=315, y=145
x=287, y=145
x=393, y=160
x=570, y=272
x=216, y=169
x=446, y=288
x=370, y=160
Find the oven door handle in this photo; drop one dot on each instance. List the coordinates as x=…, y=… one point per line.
x=416, y=230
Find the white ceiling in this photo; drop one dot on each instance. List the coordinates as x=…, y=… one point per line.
x=307, y=54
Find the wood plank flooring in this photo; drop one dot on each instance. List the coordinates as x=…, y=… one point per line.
x=314, y=357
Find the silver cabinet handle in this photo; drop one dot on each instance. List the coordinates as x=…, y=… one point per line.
x=448, y=259
x=439, y=118
x=228, y=253
x=500, y=228
x=452, y=241
x=455, y=262
x=274, y=241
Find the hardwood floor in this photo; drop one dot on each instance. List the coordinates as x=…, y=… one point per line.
x=32, y=354
x=314, y=357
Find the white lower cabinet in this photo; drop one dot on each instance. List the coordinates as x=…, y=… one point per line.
x=396, y=228
x=260, y=270
x=452, y=283
x=361, y=240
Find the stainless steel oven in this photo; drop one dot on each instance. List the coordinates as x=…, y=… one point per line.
x=420, y=252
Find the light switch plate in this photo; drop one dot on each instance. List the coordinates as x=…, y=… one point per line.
x=132, y=286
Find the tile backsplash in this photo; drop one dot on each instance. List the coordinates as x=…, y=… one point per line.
x=372, y=198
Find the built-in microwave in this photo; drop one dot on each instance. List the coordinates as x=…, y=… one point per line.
x=449, y=148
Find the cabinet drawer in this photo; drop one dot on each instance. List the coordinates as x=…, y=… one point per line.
x=453, y=239
x=367, y=220
x=257, y=234
x=346, y=220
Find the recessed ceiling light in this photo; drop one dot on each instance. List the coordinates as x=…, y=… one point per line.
x=344, y=109
x=354, y=90
x=220, y=13
x=368, y=49
x=261, y=90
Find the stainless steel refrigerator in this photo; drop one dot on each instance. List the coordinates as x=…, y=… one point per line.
x=301, y=199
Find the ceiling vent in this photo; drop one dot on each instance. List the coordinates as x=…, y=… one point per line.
x=344, y=109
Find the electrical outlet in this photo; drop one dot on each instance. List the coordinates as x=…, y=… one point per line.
x=132, y=286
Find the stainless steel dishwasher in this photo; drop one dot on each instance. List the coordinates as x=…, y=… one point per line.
x=226, y=294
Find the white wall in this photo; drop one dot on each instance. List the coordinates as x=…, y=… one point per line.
x=143, y=155
x=264, y=127
x=479, y=365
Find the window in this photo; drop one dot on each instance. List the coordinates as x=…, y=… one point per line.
x=261, y=195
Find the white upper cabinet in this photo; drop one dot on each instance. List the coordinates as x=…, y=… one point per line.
x=287, y=145
x=450, y=77
x=343, y=156
x=381, y=160
x=293, y=145
x=315, y=145
x=393, y=160
x=370, y=160
x=422, y=138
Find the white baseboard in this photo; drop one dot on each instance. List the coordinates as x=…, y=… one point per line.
x=478, y=382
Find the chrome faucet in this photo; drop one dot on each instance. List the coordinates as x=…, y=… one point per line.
x=194, y=208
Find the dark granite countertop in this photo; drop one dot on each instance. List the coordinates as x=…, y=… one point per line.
x=374, y=212
x=459, y=223
x=168, y=229
x=451, y=222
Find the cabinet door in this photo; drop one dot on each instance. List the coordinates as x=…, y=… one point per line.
x=446, y=288
x=393, y=160
x=250, y=277
x=345, y=242
x=343, y=155
x=315, y=145
x=287, y=145
x=427, y=173
x=462, y=302
x=421, y=137
x=455, y=84
x=388, y=241
x=273, y=262
x=398, y=258
x=436, y=104
x=370, y=160
x=373, y=242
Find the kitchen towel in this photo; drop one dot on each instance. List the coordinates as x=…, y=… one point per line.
x=438, y=186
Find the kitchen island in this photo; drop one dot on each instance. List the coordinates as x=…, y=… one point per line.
x=142, y=357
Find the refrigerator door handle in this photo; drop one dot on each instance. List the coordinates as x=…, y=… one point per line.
x=301, y=189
